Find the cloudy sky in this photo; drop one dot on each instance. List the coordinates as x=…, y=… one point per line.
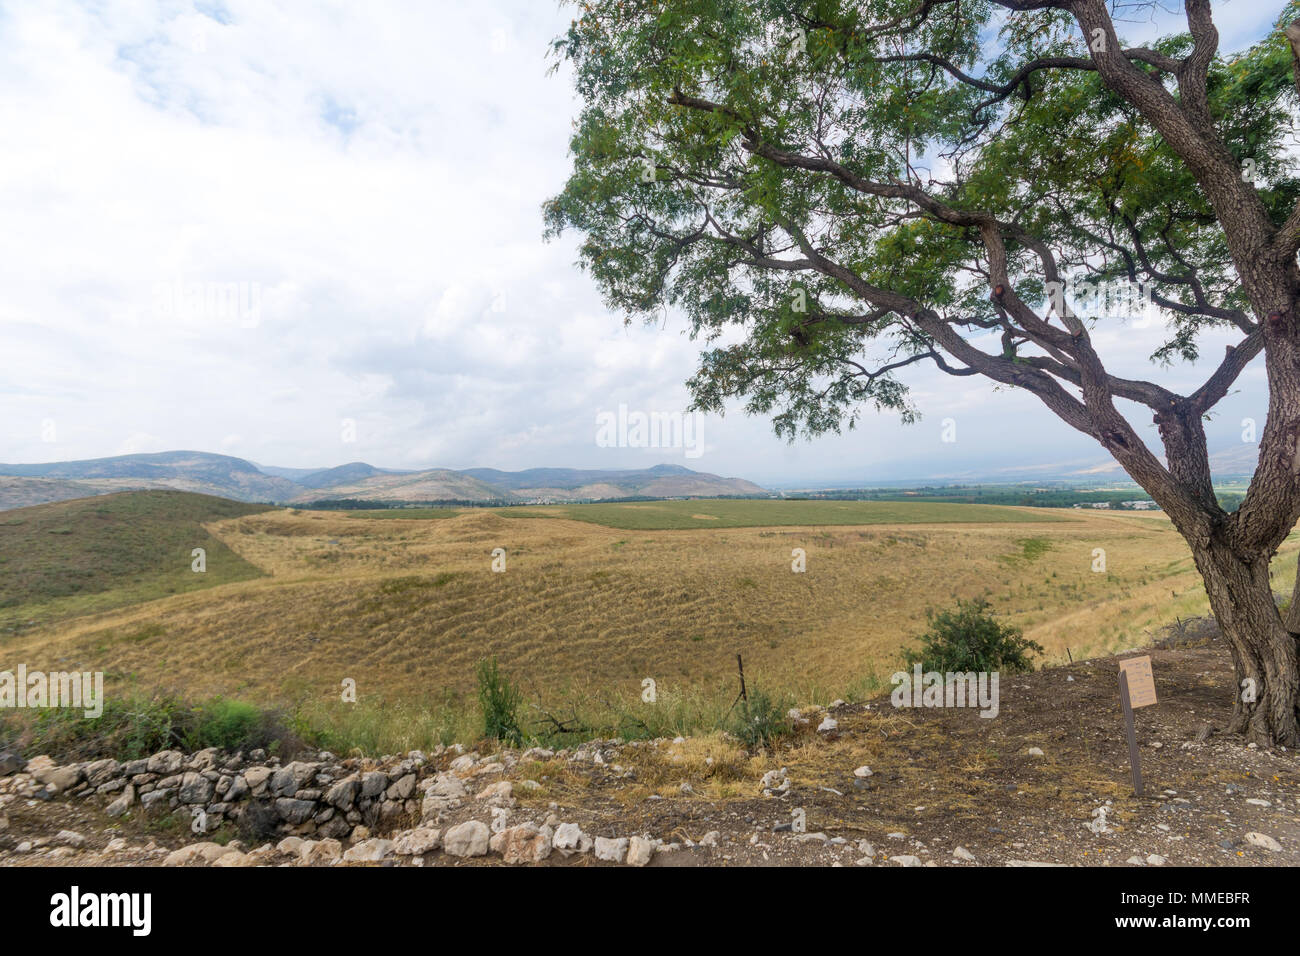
x=305, y=234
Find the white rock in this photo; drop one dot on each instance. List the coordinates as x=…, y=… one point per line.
x=862, y=772
x=467, y=839
x=569, y=839
x=1263, y=840
x=961, y=853
x=1035, y=752
x=369, y=851
x=417, y=842
x=905, y=860
x=612, y=850
x=640, y=850
x=828, y=725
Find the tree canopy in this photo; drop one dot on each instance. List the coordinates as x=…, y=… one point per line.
x=834, y=190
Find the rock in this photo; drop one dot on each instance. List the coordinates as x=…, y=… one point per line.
x=123, y=803
x=195, y=789
x=1155, y=859
x=640, y=850
x=69, y=838
x=290, y=846
x=59, y=779
x=236, y=859
x=417, y=842
x=499, y=794
x=1264, y=841
x=344, y=793
x=862, y=772
x=467, y=839
x=256, y=778
x=1031, y=863
x=100, y=772
x=963, y=854
x=155, y=797
x=165, y=762
x=373, y=783
x=611, y=850
x=10, y=763
x=446, y=793
x=237, y=790
x=320, y=852
x=526, y=843
x=569, y=839
x=294, y=811
x=905, y=860
x=711, y=838
x=196, y=852
x=402, y=787
x=1035, y=752
x=369, y=851
x=205, y=759
x=291, y=778
x=828, y=725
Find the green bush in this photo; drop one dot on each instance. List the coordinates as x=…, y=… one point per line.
x=970, y=638
x=134, y=727
x=500, y=701
x=760, y=721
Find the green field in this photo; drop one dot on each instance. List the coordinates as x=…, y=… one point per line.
x=75, y=557
x=760, y=513
x=422, y=513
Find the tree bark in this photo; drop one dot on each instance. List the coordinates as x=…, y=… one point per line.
x=1293, y=609
x=1264, y=654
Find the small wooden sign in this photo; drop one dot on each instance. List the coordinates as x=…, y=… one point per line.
x=1137, y=688
x=1141, y=682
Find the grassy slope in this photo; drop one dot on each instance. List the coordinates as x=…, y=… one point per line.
x=769, y=513
x=67, y=558
x=585, y=613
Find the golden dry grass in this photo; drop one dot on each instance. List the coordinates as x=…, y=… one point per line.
x=406, y=607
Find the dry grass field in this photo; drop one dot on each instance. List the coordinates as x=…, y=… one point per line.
x=405, y=607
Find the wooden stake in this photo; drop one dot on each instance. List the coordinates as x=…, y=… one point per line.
x=740, y=666
x=1134, y=760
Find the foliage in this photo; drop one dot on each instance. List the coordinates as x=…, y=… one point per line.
x=500, y=701
x=971, y=638
x=760, y=720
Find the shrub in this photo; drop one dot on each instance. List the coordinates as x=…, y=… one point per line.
x=500, y=701
x=970, y=638
x=759, y=721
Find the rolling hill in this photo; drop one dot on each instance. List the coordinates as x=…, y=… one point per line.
x=72, y=557
x=229, y=477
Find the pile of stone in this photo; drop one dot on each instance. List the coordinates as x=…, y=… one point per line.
x=321, y=803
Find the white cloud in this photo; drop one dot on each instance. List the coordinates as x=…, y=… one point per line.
x=375, y=172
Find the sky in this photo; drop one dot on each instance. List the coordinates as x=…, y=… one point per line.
x=307, y=234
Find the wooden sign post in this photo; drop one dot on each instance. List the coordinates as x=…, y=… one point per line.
x=1137, y=688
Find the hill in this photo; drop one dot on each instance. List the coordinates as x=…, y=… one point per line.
x=241, y=480
x=67, y=558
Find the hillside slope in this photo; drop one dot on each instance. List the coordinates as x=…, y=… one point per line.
x=70, y=557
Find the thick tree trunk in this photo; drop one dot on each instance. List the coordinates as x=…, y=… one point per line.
x=1293, y=609
x=1263, y=651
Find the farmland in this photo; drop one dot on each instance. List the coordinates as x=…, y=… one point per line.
x=298, y=602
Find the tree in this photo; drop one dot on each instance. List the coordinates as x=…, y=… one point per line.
x=846, y=189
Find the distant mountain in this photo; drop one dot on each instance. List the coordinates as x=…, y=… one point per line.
x=198, y=471
x=241, y=480
x=348, y=474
